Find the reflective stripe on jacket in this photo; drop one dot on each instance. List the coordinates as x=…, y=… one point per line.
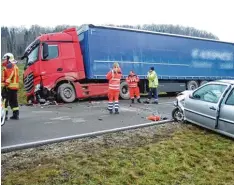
x=132, y=81
x=12, y=77
x=3, y=77
x=114, y=77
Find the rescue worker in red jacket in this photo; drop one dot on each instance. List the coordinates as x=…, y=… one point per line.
x=114, y=76
x=132, y=81
x=11, y=83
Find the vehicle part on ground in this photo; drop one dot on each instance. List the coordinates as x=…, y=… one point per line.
x=154, y=118
x=191, y=85
x=67, y=138
x=66, y=92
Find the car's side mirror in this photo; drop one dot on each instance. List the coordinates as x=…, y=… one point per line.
x=196, y=96
x=191, y=96
x=45, y=51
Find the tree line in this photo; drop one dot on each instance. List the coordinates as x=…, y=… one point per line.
x=16, y=39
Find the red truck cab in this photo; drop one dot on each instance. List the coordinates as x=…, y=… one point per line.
x=55, y=68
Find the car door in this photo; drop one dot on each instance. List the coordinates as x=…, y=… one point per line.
x=201, y=105
x=226, y=118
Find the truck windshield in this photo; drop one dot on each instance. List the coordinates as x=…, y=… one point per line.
x=33, y=56
x=31, y=53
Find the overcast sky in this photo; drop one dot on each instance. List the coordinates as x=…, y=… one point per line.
x=216, y=16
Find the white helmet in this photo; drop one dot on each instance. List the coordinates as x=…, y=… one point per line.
x=11, y=58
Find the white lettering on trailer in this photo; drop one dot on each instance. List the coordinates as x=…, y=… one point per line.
x=212, y=55
x=227, y=66
x=202, y=64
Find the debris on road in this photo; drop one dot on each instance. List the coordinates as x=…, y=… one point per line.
x=153, y=118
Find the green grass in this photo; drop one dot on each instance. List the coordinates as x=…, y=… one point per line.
x=189, y=156
x=21, y=94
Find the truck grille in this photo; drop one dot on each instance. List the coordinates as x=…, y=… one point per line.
x=28, y=82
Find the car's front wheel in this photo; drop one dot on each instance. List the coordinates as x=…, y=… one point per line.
x=178, y=115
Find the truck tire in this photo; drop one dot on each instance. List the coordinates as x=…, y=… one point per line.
x=66, y=93
x=191, y=85
x=124, y=91
x=203, y=82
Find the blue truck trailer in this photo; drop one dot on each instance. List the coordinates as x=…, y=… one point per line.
x=73, y=64
x=181, y=62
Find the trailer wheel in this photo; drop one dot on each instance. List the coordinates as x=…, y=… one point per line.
x=203, y=82
x=124, y=91
x=191, y=85
x=66, y=93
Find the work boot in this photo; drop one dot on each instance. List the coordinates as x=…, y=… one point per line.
x=116, y=111
x=147, y=102
x=15, y=115
x=110, y=111
x=132, y=100
x=138, y=100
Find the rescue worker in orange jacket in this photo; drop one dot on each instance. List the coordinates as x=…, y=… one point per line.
x=4, y=91
x=114, y=76
x=6, y=58
x=11, y=83
x=132, y=81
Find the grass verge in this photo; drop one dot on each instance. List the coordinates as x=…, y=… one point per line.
x=167, y=154
x=21, y=94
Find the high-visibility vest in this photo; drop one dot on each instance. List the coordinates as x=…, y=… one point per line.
x=12, y=76
x=114, y=77
x=132, y=81
x=153, y=79
x=3, y=78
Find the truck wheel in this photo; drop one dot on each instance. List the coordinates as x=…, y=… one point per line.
x=191, y=85
x=124, y=92
x=203, y=82
x=66, y=93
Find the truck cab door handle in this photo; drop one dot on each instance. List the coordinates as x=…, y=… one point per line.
x=59, y=69
x=212, y=108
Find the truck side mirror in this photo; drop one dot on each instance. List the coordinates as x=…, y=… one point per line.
x=45, y=51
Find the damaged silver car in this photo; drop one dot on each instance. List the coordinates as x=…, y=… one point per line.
x=212, y=106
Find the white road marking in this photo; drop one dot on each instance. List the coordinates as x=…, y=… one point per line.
x=78, y=120
x=42, y=112
x=48, y=122
x=62, y=118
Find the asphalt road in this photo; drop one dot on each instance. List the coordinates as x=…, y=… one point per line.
x=41, y=123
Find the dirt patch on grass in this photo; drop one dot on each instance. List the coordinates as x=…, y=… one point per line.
x=165, y=154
